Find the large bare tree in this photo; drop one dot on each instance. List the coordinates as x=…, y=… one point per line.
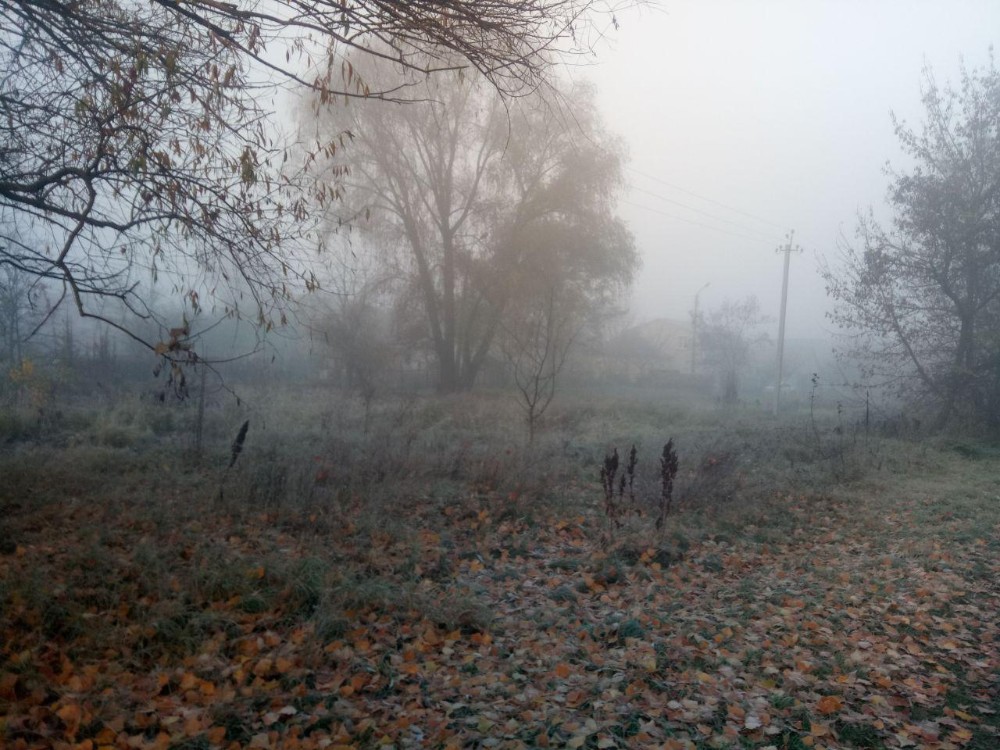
x=137, y=139
x=919, y=300
x=468, y=196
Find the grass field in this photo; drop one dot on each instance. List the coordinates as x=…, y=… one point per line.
x=421, y=578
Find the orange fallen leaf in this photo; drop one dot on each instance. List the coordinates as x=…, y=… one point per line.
x=188, y=681
x=107, y=736
x=216, y=735
x=263, y=667
x=192, y=726
x=71, y=716
x=8, y=684
x=431, y=637
x=819, y=730
x=829, y=704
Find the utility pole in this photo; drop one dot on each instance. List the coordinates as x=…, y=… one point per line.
x=788, y=249
x=694, y=329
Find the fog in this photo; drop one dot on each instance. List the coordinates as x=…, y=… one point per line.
x=742, y=122
x=747, y=120
x=324, y=427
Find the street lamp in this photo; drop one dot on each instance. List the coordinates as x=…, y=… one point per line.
x=694, y=329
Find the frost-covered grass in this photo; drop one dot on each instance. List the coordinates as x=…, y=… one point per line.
x=419, y=577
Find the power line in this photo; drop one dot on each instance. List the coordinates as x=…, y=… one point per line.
x=736, y=224
x=704, y=198
x=696, y=223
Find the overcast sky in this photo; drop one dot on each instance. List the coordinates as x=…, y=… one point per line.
x=778, y=110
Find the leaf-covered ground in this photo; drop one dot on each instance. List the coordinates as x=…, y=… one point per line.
x=867, y=619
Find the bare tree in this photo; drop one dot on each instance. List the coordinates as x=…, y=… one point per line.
x=919, y=301
x=357, y=325
x=535, y=342
x=137, y=139
x=727, y=337
x=459, y=191
x=19, y=301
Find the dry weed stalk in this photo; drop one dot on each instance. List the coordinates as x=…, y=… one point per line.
x=237, y=448
x=241, y=436
x=668, y=472
x=612, y=508
x=614, y=485
x=630, y=471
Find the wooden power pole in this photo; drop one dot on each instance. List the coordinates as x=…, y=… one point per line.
x=694, y=329
x=788, y=249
